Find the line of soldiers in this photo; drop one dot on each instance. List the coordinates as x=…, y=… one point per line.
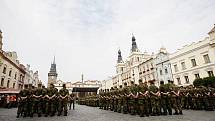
x=147, y=100
x=41, y=100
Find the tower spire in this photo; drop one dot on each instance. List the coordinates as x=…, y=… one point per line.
x=54, y=60
x=119, y=60
x=134, y=44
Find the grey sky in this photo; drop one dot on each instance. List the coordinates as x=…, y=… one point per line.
x=85, y=35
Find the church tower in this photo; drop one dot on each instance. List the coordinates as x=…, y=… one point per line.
x=135, y=55
x=135, y=58
x=120, y=64
x=1, y=40
x=52, y=75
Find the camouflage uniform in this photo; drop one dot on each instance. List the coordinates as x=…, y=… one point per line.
x=51, y=102
x=37, y=101
x=155, y=102
x=120, y=97
x=115, y=100
x=165, y=100
x=63, y=100
x=131, y=101
x=22, y=102
x=142, y=99
x=176, y=101
x=30, y=101
x=125, y=91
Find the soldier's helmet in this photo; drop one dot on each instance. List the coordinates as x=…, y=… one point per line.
x=64, y=85
x=125, y=84
x=26, y=86
x=120, y=86
x=132, y=82
x=51, y=85
x=161, y=82
x=152, y=82
x=39, y=84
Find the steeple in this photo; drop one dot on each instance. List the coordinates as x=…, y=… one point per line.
x=54, y=60
x=119, y=57
x=134, y=45
x=53, y=67
x=52, y=75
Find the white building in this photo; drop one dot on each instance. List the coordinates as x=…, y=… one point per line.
x=147, y=71
x=11, y=71
x=106, y=84
x=31, y=77
x=163, y=66
x=193, y=61
x=137, y=66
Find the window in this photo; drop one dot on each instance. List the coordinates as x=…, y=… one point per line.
x=166, y=71
x=210, y=73
x=161, y=72
x=183, y=65
x=4, y=70
x=178, y=79
x=176, y=67
x=10, y=72
x=197, y=76
x=2, y=81
x=8, y=83
x=15, y=76
x=206, y=58
x=186, y=79
x=193, y=61
x=14, y=85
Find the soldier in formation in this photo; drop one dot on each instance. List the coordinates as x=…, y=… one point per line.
x=144, y=100
x=41, y=100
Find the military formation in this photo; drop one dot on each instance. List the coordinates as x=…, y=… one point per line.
x=42, y=101
x=144, y=100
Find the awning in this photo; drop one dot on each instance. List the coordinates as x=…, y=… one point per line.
x=9, y=91
x=85, y=89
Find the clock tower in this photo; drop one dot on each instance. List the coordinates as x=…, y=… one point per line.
x=52, y=75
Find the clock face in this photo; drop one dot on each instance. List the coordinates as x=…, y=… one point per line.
x=52, y=77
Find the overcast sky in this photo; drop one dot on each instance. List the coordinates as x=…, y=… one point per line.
x=85, y=35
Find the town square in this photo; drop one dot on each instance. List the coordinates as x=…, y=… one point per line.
x=91, y=60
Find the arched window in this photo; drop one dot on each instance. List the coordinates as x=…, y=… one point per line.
x=2, y=81
x=8, y=83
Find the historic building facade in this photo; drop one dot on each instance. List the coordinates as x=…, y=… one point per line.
x=137, y=66
x=31, y=77
x=181, y=67
x=106, y=84
x=13, y=74
x=163, y=66
x=11, y=71
x=193, y=61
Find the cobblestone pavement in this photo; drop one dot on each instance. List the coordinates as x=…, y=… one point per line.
x=84, y=113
